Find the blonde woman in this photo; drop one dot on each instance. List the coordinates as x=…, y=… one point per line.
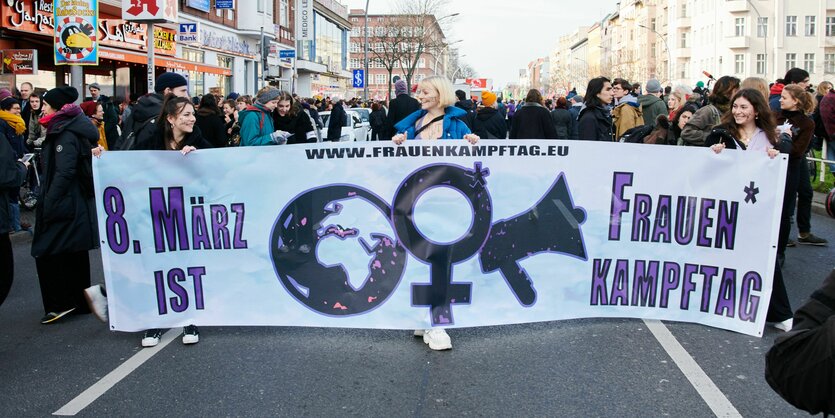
x=678, y=98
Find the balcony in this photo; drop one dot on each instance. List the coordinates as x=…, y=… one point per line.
x=684, y=21
x=737, y=6
x=737, y=42
x=682, y=52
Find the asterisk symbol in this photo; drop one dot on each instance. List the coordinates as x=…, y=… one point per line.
x=479, y=174
x=751, y=193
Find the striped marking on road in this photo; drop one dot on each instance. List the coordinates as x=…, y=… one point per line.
x=710, y=393
x=98, y=389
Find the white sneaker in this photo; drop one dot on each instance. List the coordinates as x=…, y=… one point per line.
x=784, y=326
x=437, y=339
x=191, y=335
x=151, y=337
x=97, y=302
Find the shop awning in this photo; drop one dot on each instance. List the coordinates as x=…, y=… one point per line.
x=160, y=61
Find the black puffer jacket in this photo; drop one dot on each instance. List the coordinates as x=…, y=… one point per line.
x=532, y=121
x=487, y=123
x=12, y=174
x=66, y=214
x=146, y=108
x=595, y=124
x=213, y=128
x=399, y=107
x=564, y=123
x=298, y=124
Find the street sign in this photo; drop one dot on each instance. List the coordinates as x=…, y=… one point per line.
x=189, y=33
x=287, y=53
x=224, y=4
x=359, y=79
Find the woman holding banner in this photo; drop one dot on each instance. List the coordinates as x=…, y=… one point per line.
x=751, y=127
x=438, y=118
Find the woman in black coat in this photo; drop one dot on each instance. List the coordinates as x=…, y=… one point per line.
x=65, y=219
x=563, y=120
x=12, y=174
x=210, y=122
x=533, y=120
x=377, y=120
x=595, y=121
x=290, y=117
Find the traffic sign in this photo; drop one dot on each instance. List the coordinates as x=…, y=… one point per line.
x=359, y=79
x=224, y=4
x=287, y=53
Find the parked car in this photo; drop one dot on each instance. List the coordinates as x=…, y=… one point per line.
x=353, y=130
x=365, y=117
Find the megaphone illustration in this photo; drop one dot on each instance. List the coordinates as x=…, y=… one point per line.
x=552, y=225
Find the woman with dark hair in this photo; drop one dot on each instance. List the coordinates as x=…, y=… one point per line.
x=290, y=117
x=210, y=122
x=796, y=104
x=65, y=226
x=533, y=120
x=377, y=120
x=795, y=75
x=683, y=115
x=595, y=121
x=703, y=121
x=233, y=128
x=175, y=131
x=95, y=112
x=750, y=126
x=562, y=119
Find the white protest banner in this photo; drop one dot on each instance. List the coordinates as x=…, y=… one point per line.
x=438, y=233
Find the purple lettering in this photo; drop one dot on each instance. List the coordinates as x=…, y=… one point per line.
x=220, y=233
x=685, y=221
x=646, y=283
x=640, y=219
x=598, y=281
x=169, y=219
x=670, y=282
x=620, y=205
x=709, y=272
x=748, y=304
x=688, y=286
x=179, y=303
x=238, y=242
x=663, y=213
x=620, y=284
x=705, y=222
x=727, y=294
x=200, y=239
x=162, y=306
x=726, y=228
x=196, y=274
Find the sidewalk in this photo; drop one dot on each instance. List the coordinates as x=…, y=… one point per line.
x=818, y=203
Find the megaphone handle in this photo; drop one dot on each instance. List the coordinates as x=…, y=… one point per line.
x=519, y=281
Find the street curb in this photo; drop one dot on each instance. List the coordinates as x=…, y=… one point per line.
x=819, y=204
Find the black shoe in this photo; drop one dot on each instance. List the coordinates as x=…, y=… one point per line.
x=191, y=335
x=151, y=337
x=811, y=239
x=791, y=243
x=53, y=316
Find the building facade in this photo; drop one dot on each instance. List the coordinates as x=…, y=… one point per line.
x=322, y=63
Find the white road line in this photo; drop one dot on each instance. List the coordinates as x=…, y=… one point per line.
x=94, y=392
x=713, y=397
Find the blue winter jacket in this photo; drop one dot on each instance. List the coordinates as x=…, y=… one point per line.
x=256, y=126
x=454, y=126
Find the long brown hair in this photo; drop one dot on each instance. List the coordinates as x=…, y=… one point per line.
x=172, y=106
x=764, y=119
x=723, y=89
x=295, y=107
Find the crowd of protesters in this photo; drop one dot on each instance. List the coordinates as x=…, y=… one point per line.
x=739, y=114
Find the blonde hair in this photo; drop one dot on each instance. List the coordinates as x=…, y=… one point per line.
x=823, y=89
x=805, y=100
x=681, y=92
x=756, y=83
x=446, y=94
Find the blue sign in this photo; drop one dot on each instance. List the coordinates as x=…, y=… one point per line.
x=204, y=5
x=188, y=33
x=224, y=4
x=287, y=53
x=359, y=79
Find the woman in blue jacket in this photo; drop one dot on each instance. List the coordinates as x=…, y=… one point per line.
x=257, y=127
x=437, y=104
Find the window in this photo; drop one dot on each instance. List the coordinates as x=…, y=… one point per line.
x=762, y=27
x=260, y=5
x=225, y=81
x=739, y=64
x=421, y=63
x=284, y=13
x=652, y=23
x=739, y=26
x=810, y=25
x=380, y=78
x=809, y=63
x=683, y=10
x=195, y=78
x=829, y=63
x=761, y=64
x=830, y=26
x=354, y=20
x=791, y=61
x=355, y=63
x=355, y=32
x=355, y=47
x=684, y=40
x=791, y=25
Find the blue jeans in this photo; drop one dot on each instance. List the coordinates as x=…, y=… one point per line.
x=14, y=216
x=830, y=154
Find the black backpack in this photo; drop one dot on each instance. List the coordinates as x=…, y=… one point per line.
x=636, y=135
x=130, y=139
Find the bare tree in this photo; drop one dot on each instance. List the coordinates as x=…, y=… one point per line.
x=422, y=32
x=387, y=50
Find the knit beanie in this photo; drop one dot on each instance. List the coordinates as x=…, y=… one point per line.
x=400, y=87
x=653, y=86
x=268, y=96
x=89, y=108
x=488, y=98
x=169, y=80
x=4, y=93
x=60, y=96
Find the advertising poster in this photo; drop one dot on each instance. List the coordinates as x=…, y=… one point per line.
x=76, y=32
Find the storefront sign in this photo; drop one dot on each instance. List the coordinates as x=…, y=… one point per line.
x=152, y=11
x=226, y=43
x=76, y=37
x=189, y=33
x=20, y=61
x=131, y=35
x=304, y=20
x=27, y=15
x=224, y=4
x=202, y=5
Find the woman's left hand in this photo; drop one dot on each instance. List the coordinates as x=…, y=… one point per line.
x=773, y=152
x=97, y=151
x=472, y=138
x=187, y=149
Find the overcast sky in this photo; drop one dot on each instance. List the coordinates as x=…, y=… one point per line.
x=500, y=37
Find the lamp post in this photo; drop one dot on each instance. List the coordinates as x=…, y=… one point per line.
x=365, y=53
x=765, y=39
x=669, y=55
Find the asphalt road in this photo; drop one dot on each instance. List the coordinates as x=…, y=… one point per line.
x=574, y=368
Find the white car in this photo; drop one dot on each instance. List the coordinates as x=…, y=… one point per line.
x=352, y=130
x=365, y=117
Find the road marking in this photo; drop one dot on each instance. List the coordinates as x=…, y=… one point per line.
x=98, y=389
x=713, y=397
